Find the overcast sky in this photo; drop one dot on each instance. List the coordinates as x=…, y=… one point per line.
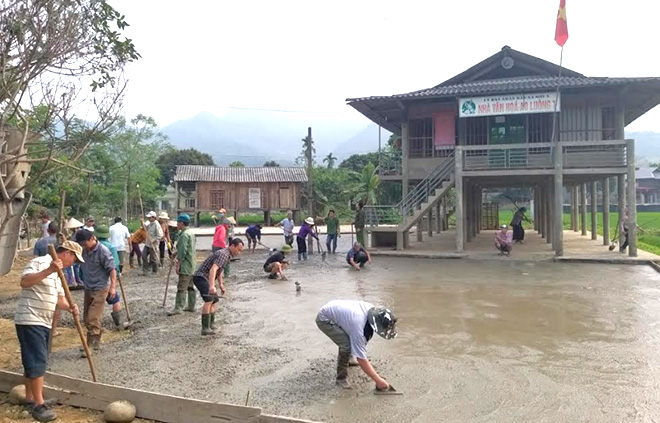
x=310, y=55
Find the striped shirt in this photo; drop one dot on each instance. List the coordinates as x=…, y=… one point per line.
x=36, y=304
x=220, y=257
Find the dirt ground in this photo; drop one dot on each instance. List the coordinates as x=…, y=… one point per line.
x=10, y=413
x=478, y=341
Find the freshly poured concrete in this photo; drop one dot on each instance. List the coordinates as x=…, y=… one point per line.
x=480, y=341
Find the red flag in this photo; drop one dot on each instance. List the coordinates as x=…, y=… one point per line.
x=561, y=30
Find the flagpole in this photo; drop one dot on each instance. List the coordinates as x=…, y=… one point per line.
x=554, y=113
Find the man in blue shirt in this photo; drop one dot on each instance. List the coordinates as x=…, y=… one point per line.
x=102, y=233
x=357, y=256
x=253, y=235
x=41, y=246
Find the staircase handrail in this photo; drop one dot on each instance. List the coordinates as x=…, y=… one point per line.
x=422, y=191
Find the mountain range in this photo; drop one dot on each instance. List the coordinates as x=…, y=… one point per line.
x=256, y=136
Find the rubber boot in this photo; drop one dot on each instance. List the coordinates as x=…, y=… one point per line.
x=130, y=262
x=299, y=256
x=93, y=343
x=342, y=369
x=206, y=321
x=118, y=320
x=178, y=303
x=154, y=268
x=212, y=321
x=192, y=300
x=305, y=256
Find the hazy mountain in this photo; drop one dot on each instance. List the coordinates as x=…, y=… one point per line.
x=254, y=136
x=647, y=145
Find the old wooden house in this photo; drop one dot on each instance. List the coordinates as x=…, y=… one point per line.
x=201, y=189
x=511, y=120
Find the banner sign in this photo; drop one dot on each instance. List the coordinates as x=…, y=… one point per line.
x=254, y=198
x=509, y=104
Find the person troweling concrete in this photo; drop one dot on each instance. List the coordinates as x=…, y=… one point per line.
x=358, y=256
x=301, y=239
x=204, y=279
x=350, y=325
x=276, y=263
x=253, y=235
x=504, y=240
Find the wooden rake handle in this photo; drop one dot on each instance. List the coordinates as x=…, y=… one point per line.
x=76, y=318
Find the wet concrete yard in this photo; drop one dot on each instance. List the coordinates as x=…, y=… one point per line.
x=479, y=341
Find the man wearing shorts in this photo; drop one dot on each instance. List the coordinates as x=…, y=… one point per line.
x=40, y=296
x=357, y=256
x=204, y=280
x=100, y=279
x=277, y=262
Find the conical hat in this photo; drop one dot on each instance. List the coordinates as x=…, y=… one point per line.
x=73, y=223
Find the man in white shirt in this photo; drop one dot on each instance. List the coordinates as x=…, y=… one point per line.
x=288, y=224
x=89, y=223
x=154, y=235
x=350, y=325
x=118, y=236
x=41, y=294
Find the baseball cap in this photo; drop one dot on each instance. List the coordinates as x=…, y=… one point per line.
x=75, y=248
x=151, y=214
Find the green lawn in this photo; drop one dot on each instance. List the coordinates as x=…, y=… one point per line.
x=648, y=240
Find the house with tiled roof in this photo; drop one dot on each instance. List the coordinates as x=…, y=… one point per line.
x=200, y=189
x=648, y=185
x=511, y=120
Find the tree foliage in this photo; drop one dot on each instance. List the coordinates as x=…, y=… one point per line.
x=330, y=160
x=171, y=158
x=357, y=162
x=271, y=163
x=236, y=163
x=58, y=57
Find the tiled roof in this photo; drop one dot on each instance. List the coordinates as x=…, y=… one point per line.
x=643, y=172
x=510, y=85
x=190, y=173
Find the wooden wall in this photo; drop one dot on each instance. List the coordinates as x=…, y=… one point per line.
x=274, y=195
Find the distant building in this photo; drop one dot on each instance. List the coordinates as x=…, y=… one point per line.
x=238, y=189
x=648, y=185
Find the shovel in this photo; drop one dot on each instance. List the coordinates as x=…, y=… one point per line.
x=324, y=253
x=389, y=391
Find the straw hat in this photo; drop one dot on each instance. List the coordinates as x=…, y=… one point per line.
x=232, y=220
x=164, y=215
x=171, y=223
x=73, y=223
x=309, y=221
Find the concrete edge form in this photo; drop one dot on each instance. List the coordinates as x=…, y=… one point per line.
x=655, y=265
x=160, y=407
x=408, y=254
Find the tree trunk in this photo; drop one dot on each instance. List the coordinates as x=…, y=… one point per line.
x=61, y=211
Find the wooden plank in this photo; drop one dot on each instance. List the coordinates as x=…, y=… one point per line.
x=149, y=405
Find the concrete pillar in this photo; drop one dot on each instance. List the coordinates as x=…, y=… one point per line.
x=430, y=217
x=558, y=194
x=405, y=154
x=458, y=186
x=632, y=199
x=583, y=209
x=606, y=210
x=547, y=212
x=467, y=234
x=621, y=194
x=572, y=205
x=594, y=210
x=575, y=208
x=420, y=229
x=539, y=209
x=438, y=216
x=399, y=241
x=537, y=203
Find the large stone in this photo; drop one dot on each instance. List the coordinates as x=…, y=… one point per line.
x=119, y=412
x=17, y=394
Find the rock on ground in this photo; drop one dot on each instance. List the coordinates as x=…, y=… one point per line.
x=119, y=412
x=17, y=394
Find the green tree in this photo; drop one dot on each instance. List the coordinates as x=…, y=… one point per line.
x=64, y=56
x=330, y=159
x=171, y=158
x=368, y=184
x=357, y=162
x=271, y=163
x=236, y=163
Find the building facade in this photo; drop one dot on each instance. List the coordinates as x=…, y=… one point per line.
x=201, y=189
x=512, y=120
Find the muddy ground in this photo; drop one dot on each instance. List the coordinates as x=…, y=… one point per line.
x=479, y=341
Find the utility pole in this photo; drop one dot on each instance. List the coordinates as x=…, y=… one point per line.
x=310, y=184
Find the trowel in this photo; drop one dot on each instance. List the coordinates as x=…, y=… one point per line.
x=389, y=391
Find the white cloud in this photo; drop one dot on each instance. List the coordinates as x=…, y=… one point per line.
x=306, y=55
